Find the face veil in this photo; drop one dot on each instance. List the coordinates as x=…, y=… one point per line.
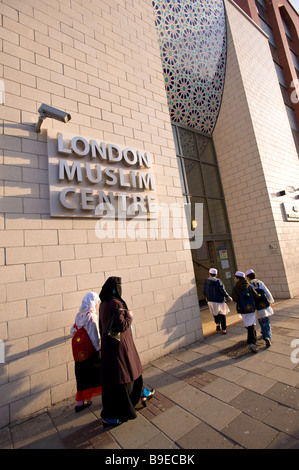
x=112, y=288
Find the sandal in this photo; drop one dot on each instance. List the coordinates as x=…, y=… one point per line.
x=147, y=395
x=111, y=422
x=82, y=407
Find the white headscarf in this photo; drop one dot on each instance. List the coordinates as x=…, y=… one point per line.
x=87, y=311
x=87, y=317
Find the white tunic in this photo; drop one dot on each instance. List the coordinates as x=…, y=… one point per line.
x=217, y=308
x=265, y=312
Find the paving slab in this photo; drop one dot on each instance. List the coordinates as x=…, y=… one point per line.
x=249, y=432
x=38, y=431
x=160, y=379
x=280, y=374
x=175, y=422
x=204, y=436
x=284, y=394
x=5, y=439
x=159, y=442
x=187, y=355
x=255, y=382
x=284, y=419
x=223, y=389
x=230, y=371
x=69, y=422
x=167, y=364
x=279, y=359
x=134, y=434
x=92, y=436
x=254, y=364
x=253, y=404
x=189, y=397
x=216, y=413
x=284, y=441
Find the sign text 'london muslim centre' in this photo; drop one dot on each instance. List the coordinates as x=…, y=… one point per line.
x=87, y=175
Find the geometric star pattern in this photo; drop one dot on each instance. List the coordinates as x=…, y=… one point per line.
x=192, y=39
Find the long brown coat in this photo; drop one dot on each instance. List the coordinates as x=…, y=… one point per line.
x=120, y=360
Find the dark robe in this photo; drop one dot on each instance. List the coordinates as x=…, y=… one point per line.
x=121, y=369
x=88, y=377
x=120, y=360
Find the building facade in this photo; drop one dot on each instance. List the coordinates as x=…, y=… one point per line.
x=175, y=107
x=279, y=20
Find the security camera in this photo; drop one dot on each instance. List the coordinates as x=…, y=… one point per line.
x=46, y=111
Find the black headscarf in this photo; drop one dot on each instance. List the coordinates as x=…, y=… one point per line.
x=112, y=288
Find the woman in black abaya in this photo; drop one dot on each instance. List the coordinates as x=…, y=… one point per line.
x=121, y=370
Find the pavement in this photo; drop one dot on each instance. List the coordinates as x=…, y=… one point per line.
x=213, y=394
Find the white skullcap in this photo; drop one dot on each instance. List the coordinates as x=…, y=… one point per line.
x=240, y=274
x=250, y=271
x=213, y=271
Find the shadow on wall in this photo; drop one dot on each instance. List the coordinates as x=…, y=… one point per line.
x=182, y=322
x=45, y=346
x=29, y=388
x=24, y=172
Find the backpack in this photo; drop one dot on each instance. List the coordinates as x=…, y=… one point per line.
x=81, y=345
x=246, y=301
x=262, y=302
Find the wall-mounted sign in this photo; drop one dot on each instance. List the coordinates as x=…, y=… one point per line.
x=273, y=248
x=292, y=212
x=86, y=177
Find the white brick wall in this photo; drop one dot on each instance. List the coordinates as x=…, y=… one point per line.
x=257, y=158
x=100, y=61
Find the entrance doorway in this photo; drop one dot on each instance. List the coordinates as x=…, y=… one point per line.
x=219, y=255
x=201, y=183
x=216, y=254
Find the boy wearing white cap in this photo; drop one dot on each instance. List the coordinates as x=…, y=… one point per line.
x=263, y=306
x=216, y=294
x=245, y=297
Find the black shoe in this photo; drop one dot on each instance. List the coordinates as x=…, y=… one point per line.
x=82, y=407
x=218, y=328
x=268, y=343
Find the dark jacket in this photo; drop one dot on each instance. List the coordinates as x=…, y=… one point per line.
x=120, y=360
x=241, y=285
x=214, y=290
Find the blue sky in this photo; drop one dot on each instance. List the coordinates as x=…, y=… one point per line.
x=295, y=4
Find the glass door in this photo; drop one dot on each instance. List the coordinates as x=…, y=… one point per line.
x=216, y=254
x=201, y=183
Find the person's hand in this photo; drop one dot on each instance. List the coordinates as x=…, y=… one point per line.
x=230, y=299
x=130, y=313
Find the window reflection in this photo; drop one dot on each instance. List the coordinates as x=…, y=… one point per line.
x=188, y=144
x=211, y=180
x=194, y=178
x=200, y=178
x=217, y=216
x=205, y=149
x=206, y=224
